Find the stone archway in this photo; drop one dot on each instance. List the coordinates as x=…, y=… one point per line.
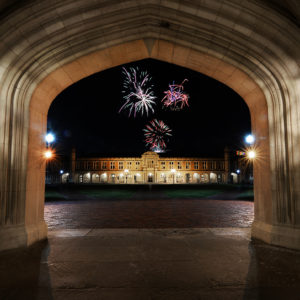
x=207, y=41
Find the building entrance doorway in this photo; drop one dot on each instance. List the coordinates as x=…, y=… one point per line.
x=150, y=177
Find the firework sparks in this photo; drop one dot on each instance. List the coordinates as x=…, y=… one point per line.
x=138, y=93
x=155, y=135
x=174, y=97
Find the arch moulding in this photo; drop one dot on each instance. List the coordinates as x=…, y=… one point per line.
x=32, y=227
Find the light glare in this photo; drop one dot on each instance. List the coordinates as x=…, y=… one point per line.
x=251, y=154
x=49, y=138
x=48, y=154
x=249, y=139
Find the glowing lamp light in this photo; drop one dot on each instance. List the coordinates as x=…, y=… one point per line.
x=238, y=171
x=250, y=139
x=48, y=154
x=61, y=171
x=251, y=154
x=173, y=170
x=49, y=138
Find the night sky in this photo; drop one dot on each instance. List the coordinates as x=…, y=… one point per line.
x=85, y=115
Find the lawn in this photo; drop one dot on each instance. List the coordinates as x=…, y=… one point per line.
x=114, y=193
x=191, y=193
x=53, y=195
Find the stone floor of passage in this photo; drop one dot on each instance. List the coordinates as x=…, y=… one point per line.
x=138, y=264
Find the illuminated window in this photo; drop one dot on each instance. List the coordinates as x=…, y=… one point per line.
x=121, y=165
x=204, y=165
x=196, y=165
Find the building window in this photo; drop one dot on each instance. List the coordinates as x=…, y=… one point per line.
x=171, y=165
x=204, y=165
x=163, y=165
x=188, y=164
x=129, y=164
x=179, y=166
x=150, y=164
x=112, y=165
x=196, y=165
x=96, y=165
x=137, y=165
x=104, y=165
x=121, y=165
x=90, y=165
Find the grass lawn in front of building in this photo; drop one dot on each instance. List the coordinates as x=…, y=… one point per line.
x=191, y=193
x=112, y=193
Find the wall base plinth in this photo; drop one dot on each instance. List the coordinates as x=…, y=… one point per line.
x=284, y=236
x=17, y=236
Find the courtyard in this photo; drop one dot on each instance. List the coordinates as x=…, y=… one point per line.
x=149, y=243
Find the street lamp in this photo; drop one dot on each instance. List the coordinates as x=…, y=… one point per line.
x=49, y=138
x=250, y=139
x=173, y=171
x=48, y=154
x=251, y=154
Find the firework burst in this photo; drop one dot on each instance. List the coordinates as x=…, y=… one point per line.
x=155, y=135
x=138, y=93
x=174, y=97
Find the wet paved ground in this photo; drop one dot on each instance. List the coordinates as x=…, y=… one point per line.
x=148, y=212
x=150, y=264
x=84, y=260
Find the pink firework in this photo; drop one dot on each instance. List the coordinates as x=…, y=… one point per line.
x=174, y=97
x=138, y=93
x=155, y=135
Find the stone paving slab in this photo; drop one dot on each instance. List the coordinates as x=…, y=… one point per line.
x=148, y=213
x=138, y=264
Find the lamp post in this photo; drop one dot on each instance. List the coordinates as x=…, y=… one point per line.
x=238, y=175
x=173, y=172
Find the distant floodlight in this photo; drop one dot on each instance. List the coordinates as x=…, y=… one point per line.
x=49, y=138
x=61, y=171
x=251, y=154
x=48, y=154
x=249, y=139
x=238, y=171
